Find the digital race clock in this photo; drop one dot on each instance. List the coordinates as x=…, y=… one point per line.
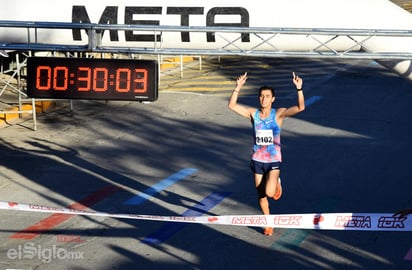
x=92, y=78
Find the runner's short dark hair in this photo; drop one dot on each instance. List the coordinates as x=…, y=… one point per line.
x=265, y=87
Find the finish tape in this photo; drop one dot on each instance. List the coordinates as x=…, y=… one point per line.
x=319, y=221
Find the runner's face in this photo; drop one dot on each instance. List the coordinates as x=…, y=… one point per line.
x=266, y=98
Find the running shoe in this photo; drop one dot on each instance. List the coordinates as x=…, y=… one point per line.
x=278, y=193
x=268, y=231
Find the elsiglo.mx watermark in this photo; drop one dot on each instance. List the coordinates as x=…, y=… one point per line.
x=32, y=250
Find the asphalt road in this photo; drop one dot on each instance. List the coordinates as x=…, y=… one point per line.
x=349, y=151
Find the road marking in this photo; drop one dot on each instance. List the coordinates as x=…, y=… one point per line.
x=292, y=238
x=199, y=209
x=163, y=184
x=408, y=256
x=312, y=100
x=57, y=218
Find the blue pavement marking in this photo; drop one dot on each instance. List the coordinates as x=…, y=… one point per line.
x=290, y=239
x=293, y=238
x=199, y=209
x=312, y=100
x=163, y=184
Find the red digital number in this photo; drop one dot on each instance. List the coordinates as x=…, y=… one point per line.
x=100, y=76
x=60, y=78
x=140, y=81
x=43, y=75
x=123, y=80
x=84, y=77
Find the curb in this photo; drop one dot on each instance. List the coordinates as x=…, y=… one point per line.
x=7, y=118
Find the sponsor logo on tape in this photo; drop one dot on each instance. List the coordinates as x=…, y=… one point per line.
x=320, y=221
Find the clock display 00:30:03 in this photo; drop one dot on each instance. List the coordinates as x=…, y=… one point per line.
x=59, y=77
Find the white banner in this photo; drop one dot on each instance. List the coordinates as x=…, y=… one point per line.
x=317, y=221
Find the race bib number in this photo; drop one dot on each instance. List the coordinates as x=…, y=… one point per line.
x=264, y=137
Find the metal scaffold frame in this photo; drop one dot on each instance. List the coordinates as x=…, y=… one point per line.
x=267, y=36
x=14, y=73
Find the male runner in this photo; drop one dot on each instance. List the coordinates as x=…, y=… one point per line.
x=267, y=122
